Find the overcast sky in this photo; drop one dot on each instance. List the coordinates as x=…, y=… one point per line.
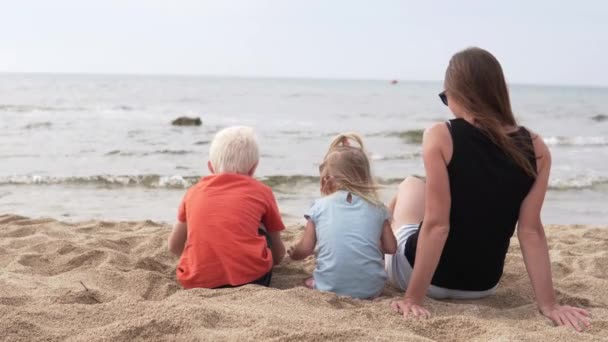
x=539, y=42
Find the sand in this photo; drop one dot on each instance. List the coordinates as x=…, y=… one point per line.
x=114, y=281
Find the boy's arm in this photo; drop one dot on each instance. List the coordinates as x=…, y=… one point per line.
x=388, y=243
x=306, y=245
x=274, y=225
x=177, y=238
x=276, y=247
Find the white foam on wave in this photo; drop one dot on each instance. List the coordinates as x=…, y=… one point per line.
x=576, y=141
x=277, y=181
x=149, y=181
x=577, y=183
x=402, y=156
x=175, y=181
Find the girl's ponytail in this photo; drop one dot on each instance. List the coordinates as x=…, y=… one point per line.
x=345, y=140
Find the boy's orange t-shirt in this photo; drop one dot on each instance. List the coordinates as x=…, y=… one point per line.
x=223, y=213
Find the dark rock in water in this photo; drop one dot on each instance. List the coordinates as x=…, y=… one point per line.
x=186, y=121
x=600, y=118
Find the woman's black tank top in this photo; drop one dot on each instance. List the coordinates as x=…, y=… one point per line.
x=487, y=189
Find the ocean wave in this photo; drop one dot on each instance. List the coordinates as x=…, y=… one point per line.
x=143, y=154
x=123, y=108
x=576, y=141
x=578, y=183
x=121, y=153
x=20, y=155
x=146, y=181
x=412, y=136
x=290, y=181
x=36, y=125
x=403, y=156
x=35, y=108
x=281, y=183
x=17, y=108
x=172, y=152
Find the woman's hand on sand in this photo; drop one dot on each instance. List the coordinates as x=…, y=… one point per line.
x=569, y=316
x=410, y=309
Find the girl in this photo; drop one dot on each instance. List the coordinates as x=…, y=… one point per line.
x=349, y=226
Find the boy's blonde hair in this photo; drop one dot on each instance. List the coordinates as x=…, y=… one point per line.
x=346, y=167
x=234, y=150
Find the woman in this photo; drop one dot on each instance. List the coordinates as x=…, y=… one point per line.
x=484, y=175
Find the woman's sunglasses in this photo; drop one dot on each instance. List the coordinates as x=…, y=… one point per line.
x=443, y=97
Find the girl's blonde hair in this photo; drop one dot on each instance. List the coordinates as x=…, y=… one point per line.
x=346, y=167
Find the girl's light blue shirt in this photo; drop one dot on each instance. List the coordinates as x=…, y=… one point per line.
x=349, y=259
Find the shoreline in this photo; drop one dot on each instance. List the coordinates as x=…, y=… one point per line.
x=95, y=280
x=75, y=204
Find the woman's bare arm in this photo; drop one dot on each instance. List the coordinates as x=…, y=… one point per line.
x=531, y=235
x=434, y=231
x=278, y=248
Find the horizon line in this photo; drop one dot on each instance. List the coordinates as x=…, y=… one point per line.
x=285, y=77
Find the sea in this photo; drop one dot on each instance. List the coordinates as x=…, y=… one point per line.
x=79, y=147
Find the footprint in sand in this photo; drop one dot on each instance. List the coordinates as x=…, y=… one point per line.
x=84, y=296
x=150, y=264
x=18, y=232
x=5, y=219
x=152, y=330
x=443, y=329
x=15, y=301
x=158, y=287
x=561, y=270
x=50, y=265
x=566, y=298
x=343, y=303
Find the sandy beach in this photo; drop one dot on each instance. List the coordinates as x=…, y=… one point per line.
x=114, y=281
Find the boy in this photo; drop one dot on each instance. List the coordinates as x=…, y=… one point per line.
x=218, y=234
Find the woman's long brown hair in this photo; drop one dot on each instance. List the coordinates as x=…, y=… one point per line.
x=474, y=78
